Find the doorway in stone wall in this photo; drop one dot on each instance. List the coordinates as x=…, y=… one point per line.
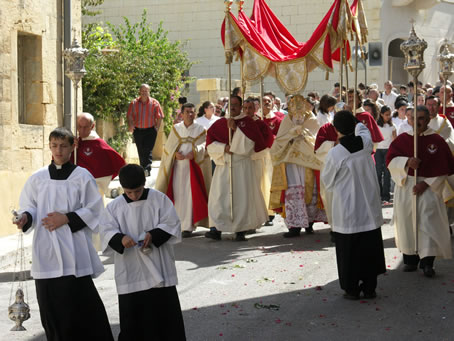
x=396, y=60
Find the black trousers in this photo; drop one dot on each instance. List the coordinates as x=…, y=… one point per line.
x=145, y=140
x=414, y=260
x=71, y=309
x=360, y=258
x=153, y=314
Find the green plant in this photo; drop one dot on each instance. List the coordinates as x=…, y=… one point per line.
x=123, y=57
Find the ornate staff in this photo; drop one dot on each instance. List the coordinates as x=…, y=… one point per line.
x=75, y=70
x=413, y=50
x=229, y=60
x=446, y=59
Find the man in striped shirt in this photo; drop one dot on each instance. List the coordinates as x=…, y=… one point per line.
x=144, y=119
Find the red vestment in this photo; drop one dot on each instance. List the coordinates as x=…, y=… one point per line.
x=327, y=132
x=99, y=158
x=219, y=132
x=199, y=193
x=267, y=134
x=275, y=122
x=367, y=119
x=434, y=153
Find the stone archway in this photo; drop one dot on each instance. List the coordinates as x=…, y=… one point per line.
x=396, y=60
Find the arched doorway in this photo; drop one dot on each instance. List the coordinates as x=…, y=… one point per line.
x=396, y=60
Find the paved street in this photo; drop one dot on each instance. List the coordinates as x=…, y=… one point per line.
x=271, y=288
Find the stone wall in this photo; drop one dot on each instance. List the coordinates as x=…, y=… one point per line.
x=36, y=27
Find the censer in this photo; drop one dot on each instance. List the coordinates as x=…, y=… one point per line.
x=19, y=311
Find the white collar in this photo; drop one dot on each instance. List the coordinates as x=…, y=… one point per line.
x=92, y=136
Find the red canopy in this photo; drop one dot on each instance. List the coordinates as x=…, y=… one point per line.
x=267, y=47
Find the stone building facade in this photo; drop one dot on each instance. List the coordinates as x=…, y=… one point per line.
x=198, y=22
x=31, y=91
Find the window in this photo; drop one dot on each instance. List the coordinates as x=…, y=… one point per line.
x=29, y=79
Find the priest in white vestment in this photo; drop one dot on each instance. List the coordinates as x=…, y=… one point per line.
x=249, y=210
x=185, y=172
x=434, y=163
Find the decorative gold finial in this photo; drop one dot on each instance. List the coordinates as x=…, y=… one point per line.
x=228, y=5
x=446, y=60
x=413, y=49
x=240, y=4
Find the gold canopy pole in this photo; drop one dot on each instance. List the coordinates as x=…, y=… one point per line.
x=229, y=60
x=413, y=49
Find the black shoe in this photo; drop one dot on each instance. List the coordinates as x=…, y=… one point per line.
x=186, y=234
x=351, y=296
x=216, y=235
x=268, y=223
x=240, y=237
x=294, y=232
x=251, y=232
x=309, y=230
x=428, y=271
x=367, y=295
x=410, y=268
x=370, y=295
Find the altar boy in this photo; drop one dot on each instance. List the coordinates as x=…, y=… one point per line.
x=356, y=207
x=61, y=203
x=142, y=226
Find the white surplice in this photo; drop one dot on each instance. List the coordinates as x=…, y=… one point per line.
x=249, y=209
x=263, y=167
x=62, y=252
x=182, y=193
x=432, y=219
x=351, y=177
x=134, y=270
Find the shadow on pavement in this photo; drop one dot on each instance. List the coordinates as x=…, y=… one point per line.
x=206, y=252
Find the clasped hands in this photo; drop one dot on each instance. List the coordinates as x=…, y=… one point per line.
x=420, y=187
x=180, y=156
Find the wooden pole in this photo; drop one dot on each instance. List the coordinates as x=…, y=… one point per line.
x=356, y=71
x=75, y=121
x=346, y=68
x=262, y=93
x=230, y=144
x=341, y=59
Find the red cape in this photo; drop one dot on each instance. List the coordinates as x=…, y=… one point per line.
x=267, y=134
x=99, y=158
x=449, y=114
x=327, y=132
x=275, y=122
x=199, y=194
x=434, y=153
x=220, y=132
x=367, y=119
